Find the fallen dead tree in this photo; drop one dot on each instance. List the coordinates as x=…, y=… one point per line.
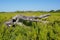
x=18, y=19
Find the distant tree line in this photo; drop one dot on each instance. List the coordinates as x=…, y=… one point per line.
x=54, y=11
x=2, y=12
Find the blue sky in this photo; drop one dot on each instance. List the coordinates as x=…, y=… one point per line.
x=14, y=5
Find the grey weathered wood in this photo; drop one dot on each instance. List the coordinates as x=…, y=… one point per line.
x=21, y=18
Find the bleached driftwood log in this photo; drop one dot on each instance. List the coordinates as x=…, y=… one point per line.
x=20, y=18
